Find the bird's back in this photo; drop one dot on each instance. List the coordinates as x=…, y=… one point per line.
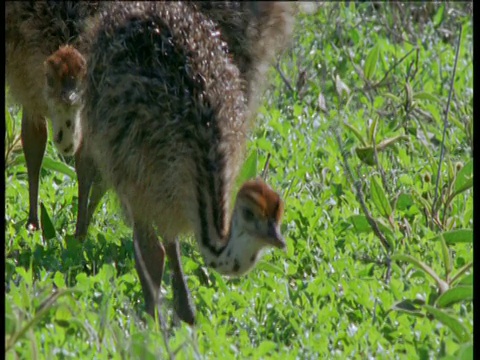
x=164, y=110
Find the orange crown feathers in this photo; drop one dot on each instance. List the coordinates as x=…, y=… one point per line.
x=67, y=62
x=266, y=199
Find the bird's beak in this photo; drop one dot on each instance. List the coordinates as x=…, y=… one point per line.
x=70, y=97
x=274, y=237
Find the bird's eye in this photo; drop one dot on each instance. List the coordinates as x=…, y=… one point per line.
x=248, y=215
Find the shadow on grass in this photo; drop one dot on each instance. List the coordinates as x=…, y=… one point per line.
x=73, y=257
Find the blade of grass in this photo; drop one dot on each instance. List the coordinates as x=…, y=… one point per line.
x=442, y=285
x=445, y=122
x=458, y=328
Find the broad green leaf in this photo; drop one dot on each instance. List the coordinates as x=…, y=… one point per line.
x=456, y=236
x=355, y=132
x=390, y=141
x=373, y=129
x=59, y=279
x=454, y=295
x=267, y=266
x=48, y=230
x=411, y=307
x=466, y=280
x=409, y=93
x=404, y=201
x=442, y=285
x=459, y=276
x=265, y=348
x=366, y=155
x=51, y=164
x=422, y=95
x=392, y=97
x=220, y=282
x=439, y=16
x=63, y=315
x=26, y=274
x=465, y=352
x=60, y=167
x=380, y=198
x=447, y=257
x=249, y=168
x=458, y=328
x=352, y=6
x=465, y=186
x=83, y=282
x=371, y=62
x=464, y=179
x=107, y=272
x=360, y=223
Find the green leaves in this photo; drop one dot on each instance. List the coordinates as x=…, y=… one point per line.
x=439, y=16
x=464, y=178
x=462, y=333
x=456, y=236
x=371, y=62
x=410, y=307
x=442, y=285
x=59, y=166
x=379, y=198
x=423, y=95
x=53, y=165
x=48, y=230
x=331, y=294
x=454, y=295
x=249, y=168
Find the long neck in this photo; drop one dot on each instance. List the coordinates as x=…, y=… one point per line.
x=233, y=254
x=224, y=245
x=66, y=125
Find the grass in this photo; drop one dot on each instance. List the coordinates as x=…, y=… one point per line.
x=378, y=223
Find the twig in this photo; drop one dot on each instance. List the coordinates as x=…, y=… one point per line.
x=445, y=123
x=360, y=196
x=375, y=157
x=388, y=273
x=398, y=62
x=369, y=260
x=285, y=80
x=265, y=168
x=374, y=312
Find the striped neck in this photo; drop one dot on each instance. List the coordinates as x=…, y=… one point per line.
x=234, y=254
x=254, y=225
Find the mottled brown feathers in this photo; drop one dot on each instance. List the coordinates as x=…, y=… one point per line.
x=164, y=111
x=33, y=31
x=256, y=32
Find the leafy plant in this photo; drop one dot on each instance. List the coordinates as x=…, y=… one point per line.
x=379, y=260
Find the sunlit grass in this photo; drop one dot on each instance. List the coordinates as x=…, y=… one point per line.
x=380, y=80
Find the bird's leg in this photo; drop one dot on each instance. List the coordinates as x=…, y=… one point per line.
x=86, y=173
x=96, y=194
x=34, y=141
x=149, y=262
x=183, y=304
